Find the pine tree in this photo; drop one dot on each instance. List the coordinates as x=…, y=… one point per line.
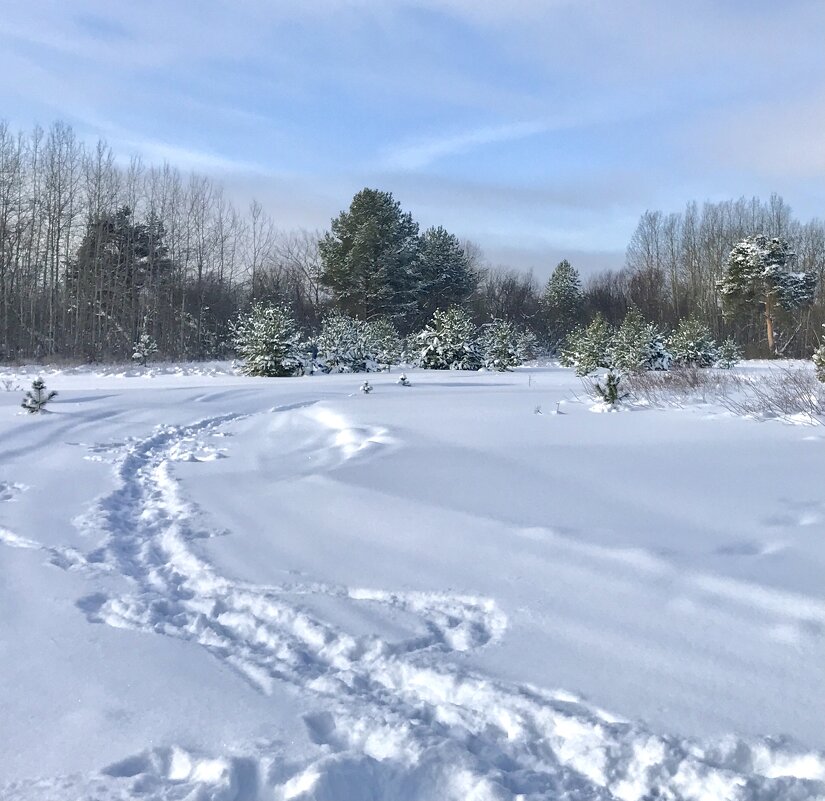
x=692, y=345
x=562, y=303
x=384, y=343
x=342, y=345
x=144, y=349
x=371, y=259
x=610, y=393
x=759, y=275
x=446, y=277
x=638, y=345
x=502, y=344
x=450, y=342
x=37, y=397
x=587, y=348
x=347, y=345
x=729, y=354
x=268, y=341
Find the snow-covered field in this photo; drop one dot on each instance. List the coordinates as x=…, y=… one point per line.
x=215, y=587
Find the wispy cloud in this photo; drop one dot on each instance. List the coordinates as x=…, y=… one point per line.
x=419, y=153
x=185, y=158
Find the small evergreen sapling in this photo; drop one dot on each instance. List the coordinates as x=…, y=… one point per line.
x=366, y=387
x=268, y=340
x=638, y=346
x=144, y=349
x=450, y=342
x=587, y=348
x=348, y=345
x=729, y=355
x=693, y=345
x=403, y=380
x=37, y=397
x=503, y=345
x=611, y=393
x=384, y=343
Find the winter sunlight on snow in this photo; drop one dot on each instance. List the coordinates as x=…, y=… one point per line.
x=241, y=588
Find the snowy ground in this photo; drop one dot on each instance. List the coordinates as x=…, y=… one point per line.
x=216, y=587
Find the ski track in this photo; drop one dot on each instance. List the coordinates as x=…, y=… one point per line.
x=401, y=720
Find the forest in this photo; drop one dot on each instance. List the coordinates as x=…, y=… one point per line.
x=96, y=252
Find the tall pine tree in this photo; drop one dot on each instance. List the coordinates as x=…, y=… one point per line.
x=446, y=277
x=370, y=259
x=562, y=303
x=759, y=275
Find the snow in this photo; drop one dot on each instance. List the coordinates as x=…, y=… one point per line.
x=220, y=587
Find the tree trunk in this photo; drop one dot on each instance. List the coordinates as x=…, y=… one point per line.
x=769, y=325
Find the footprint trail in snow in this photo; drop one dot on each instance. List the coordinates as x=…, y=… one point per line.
x=394, y=720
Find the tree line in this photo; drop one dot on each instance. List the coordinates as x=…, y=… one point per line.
x=96, y=253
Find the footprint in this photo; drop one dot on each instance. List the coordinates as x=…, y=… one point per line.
x=9, y=490
x=796, y=513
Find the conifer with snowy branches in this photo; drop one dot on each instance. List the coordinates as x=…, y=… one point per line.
x=610, y=393
x=729, y=355
x=268, y=341
x=819, y=361
x=503, y=345
x=638, y=346
x=384, y=342
x=144, y=349
x=343, y=346
x=37, y=397
x=692, y=344
x=759, y=274
x=370, y=258
x=445, y=273
x=348, y=345
x=450, y=342
x=562, y=303
x=587, y=348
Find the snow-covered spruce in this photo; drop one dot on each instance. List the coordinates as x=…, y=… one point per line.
x=268, y=341
x=587, y=347
x=638, y=346
x=348, y=345
x=144, y=349
x=729, y=354
x=504, y=345
x=342, y=346
x=450, y=342
x=562, y=304
x=385, y=343
x=692, y=344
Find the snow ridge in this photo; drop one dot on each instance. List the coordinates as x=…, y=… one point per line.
x=395, y=720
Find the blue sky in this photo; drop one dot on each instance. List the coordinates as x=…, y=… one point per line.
x=540, y=129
